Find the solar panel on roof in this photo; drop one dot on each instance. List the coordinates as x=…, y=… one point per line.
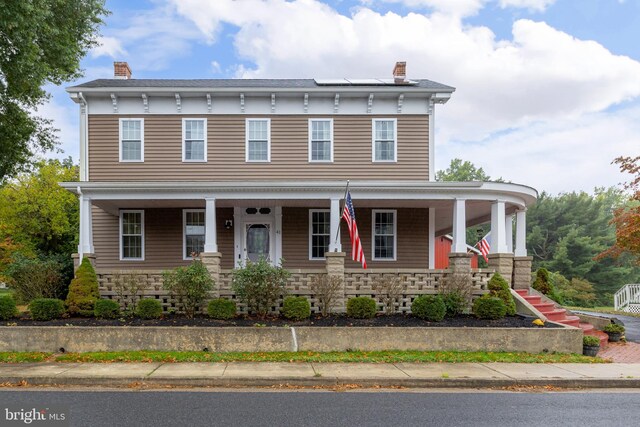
x=331, y=82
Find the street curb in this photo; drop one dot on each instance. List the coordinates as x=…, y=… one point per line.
x=322, y=382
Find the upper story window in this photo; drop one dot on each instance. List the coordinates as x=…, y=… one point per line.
x=131, y=140
x=384, y=235
x=132, y=235
x=385, y=147
x=194, y=227
x=320, y=140
x=258, y=144
x=194, y=140
x=319, y=233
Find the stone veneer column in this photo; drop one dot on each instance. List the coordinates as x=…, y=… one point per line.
x=335, y=268
x=522, y=272
x=76, y=260
x=211, y=260
x=459, y=267
x=502, y=263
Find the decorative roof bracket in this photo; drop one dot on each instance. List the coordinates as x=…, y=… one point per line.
x=400, y=101
x=370, y=103
x=336, y=103
x=209, y=102
x=178, y=103
x=145, y=102
x=114, y=101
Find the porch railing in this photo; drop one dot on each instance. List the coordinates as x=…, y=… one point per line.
x=628, y=298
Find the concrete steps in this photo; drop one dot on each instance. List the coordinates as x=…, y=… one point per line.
x=559, y=315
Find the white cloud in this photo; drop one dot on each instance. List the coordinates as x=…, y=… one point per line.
x=452, y=7
x=108, y=46
x=539, y=5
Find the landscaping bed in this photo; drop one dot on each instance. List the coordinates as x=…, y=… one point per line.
x=396, y=320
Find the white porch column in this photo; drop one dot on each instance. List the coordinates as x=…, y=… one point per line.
x=210, y=231
x=459, y=227
x=85, y=245
x=278, y=248
x=432, y=238
x=498, y=240
x=521, y=233
x=334, y=226
x=508, y=231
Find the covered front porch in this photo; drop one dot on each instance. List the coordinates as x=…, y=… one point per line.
x=143, y=229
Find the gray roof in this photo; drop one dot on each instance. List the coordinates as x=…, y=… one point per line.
x=244, y=83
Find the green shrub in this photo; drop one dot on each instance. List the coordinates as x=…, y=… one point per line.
x=46, y=308
x=222, y=309
x=361, y=307
x=590, y=341
x=613, y=328
x=32, y=278
x=7, y=308
x=189, y=285
x=149, y=308
x=542, y=283
x=296, y=308
x=83, y=290
x=454, y=302
x=498, y=287
x=489, y=307
x=429, y=307
x=259, y=285
x=106, y=309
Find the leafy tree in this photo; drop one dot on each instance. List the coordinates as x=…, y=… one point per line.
x=461, y=171
x=626, y=219
x=41, y=42
x=578, y=292
x=39, y=215
x=84, y=290
x=566, y=232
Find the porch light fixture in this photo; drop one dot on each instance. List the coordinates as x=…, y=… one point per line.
x=228, y=224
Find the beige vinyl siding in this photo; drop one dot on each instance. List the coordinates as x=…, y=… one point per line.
x=412, y=239
x=226, y=150
x=162, y=239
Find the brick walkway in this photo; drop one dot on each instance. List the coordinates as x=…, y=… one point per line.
x=621, y=352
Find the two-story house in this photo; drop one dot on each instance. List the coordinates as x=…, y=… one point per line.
x=238, y=169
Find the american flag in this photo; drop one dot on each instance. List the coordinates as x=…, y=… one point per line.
x=484, y=245
x=357, y=254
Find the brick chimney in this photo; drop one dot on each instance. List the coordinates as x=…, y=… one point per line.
x=121, y=70
x=400, y=72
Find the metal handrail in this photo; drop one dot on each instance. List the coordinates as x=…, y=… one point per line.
x=628, y=294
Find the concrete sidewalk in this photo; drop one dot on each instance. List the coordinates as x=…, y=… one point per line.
x=241, y=374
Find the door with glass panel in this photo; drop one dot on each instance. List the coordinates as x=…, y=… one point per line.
x=257, y=241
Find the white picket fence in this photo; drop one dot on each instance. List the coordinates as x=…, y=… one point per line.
x=628, y=298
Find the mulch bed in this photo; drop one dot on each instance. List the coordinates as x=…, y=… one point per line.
x=396, y=320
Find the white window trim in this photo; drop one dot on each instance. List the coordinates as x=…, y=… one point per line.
x=395, y=234
x=141, y=120
x=246, y=140
x=311, y=212
x=395, y=139
x=184, y=231
x=141, y=212
x=330, y=140
x=184, y=140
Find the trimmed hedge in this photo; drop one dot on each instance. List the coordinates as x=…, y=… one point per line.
x=83, y=290
x=498, y=287
x=489, y=307
x=46, y=308
x=455, y=303
x=149, y=308
x=7, y=308
x=361, y=307
x=429, y=307
x=222, y=309
x=106, y=309
x=296, y=308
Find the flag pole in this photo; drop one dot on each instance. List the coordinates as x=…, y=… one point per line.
x=346, y=190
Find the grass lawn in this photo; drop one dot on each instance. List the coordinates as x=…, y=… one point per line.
x=5, y=291
x=608, y=310
x=304, y=356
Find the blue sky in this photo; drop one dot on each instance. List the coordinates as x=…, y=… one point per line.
x=548, y=91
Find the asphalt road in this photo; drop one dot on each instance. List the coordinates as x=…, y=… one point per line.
x=631, y=324
x=301, y=408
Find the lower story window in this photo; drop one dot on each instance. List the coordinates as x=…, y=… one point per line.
x=384, y=235
x=193, y=232
x=320, y=226
x=132, y=235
